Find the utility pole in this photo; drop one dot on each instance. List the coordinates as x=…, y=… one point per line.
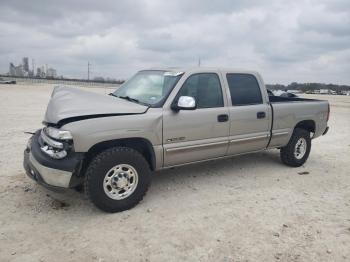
x=88, y=71
x=199, y=62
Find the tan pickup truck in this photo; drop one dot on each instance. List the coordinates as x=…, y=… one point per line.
x=162, y=118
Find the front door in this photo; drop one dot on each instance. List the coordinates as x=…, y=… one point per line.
x=200, y=134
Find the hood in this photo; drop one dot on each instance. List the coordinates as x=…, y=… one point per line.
x=72, y=104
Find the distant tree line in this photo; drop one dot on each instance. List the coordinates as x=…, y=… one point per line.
x=308, y=87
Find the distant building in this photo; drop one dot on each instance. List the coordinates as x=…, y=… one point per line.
x=327, y=92
x=40, y=72
x=25, y=64
x=12, y=70
x=51, y=73
x=19, y=71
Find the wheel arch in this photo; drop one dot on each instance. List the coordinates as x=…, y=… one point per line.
x=142, y=145
x=308, y=125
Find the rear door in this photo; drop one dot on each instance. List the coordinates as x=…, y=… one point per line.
x=194, y=135
x=249, y=112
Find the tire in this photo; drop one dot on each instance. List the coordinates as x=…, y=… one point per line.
x=103, y=172
x=290, y=155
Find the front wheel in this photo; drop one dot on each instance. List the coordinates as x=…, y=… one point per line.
x=297, y=151
x=117, y=179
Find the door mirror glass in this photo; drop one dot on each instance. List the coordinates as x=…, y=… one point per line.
x=186, y=103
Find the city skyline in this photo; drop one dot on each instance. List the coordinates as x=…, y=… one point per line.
x=25, y=70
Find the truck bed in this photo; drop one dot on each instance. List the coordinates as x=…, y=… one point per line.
x=280, y=99
x=288, y=111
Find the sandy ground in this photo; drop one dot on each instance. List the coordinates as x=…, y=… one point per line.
x=247, y=208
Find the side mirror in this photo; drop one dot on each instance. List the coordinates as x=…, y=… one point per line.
x=185, y=103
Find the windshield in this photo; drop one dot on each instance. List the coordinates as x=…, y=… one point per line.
x=148, y=87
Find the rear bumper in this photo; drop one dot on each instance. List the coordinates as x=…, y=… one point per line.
x=52, y=173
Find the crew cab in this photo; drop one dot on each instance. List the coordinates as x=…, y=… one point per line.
x=162, y=118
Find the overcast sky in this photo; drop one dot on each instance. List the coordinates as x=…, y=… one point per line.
x=301, y=40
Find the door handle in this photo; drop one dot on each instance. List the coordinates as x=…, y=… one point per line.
x=261, y=115
x=222, y=118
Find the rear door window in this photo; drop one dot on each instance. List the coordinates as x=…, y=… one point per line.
x=244, y=89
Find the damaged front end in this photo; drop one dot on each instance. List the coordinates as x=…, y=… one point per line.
x=50, y=159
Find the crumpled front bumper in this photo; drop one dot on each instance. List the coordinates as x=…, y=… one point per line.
x=55, y=174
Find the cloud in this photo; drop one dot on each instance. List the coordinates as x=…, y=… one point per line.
x=305, y=40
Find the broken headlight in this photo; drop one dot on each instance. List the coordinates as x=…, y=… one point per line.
x=55, y=142
x=58, y=133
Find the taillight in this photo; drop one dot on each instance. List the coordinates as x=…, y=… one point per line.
x=328, y=112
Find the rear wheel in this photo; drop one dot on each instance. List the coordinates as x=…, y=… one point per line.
x=297, y=151
x=117, y=179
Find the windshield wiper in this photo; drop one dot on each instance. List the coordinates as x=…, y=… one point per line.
x=129, y=99
x=126, y=97
x=111, y=94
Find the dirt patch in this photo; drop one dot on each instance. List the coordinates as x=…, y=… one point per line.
x=304, y=173
x=58, y=204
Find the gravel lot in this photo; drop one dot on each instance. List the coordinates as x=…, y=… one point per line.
x=247, y=208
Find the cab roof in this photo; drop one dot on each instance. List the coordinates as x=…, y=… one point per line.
x=204, y=69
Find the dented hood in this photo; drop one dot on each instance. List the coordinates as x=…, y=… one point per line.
x=71, y=104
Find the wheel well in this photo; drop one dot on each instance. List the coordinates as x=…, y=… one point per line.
x=308, y=125
x=142, y=145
